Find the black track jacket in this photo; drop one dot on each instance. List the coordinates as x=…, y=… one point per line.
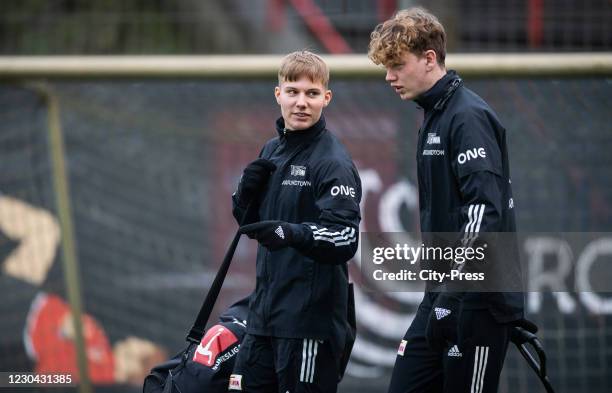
x=302, y=291
x=464, y=180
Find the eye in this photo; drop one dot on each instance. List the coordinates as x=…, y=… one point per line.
x=314, y=93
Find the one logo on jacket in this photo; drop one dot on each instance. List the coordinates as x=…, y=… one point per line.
x=343, y=190
x=433, y=138
x=471, y=154
x=298, y=170
x=216, y=341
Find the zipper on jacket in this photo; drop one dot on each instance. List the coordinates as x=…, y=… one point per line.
x=421, y=159
x=267, y=304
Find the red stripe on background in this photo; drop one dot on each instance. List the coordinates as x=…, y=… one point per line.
x=385, y=9
x=321, y=27
x=535, y=23
x=275, y=15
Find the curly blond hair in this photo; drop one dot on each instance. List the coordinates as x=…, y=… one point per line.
x=414, y=29
x=303, y=63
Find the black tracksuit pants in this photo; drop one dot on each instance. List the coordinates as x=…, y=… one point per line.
x=273, y=364
x=472, y=365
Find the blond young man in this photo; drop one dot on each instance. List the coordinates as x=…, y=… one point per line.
x=306, y=193
x=457, y=341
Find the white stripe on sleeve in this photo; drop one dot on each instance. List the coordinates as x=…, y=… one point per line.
x=342, y=238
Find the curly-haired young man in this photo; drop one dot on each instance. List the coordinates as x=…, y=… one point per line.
x=457, y=341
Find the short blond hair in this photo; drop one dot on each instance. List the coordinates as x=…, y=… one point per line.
x=303, y=63
x=414, y=29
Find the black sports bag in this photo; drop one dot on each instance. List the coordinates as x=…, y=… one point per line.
x=204, y=367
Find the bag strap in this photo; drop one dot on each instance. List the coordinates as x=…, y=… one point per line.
x=199, y=326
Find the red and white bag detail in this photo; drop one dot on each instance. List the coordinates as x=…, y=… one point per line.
x=217, y=339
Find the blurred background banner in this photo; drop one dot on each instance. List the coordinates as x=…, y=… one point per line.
x=116, y=172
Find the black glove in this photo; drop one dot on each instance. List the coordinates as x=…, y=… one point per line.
x=274, y=235
x=526, y=324
x=443, y=321
x=523, y=330
x=254, y=180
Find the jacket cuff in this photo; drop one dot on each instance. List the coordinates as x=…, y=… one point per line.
x=301, y=237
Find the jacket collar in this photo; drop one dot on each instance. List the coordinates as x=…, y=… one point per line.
x=301, y=136
x=436, y=97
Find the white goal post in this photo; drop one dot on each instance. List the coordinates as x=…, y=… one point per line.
x=262, y=66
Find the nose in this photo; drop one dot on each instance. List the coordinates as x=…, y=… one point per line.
x=390, y=76
x=301, y=100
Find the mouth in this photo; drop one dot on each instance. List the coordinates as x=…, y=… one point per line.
x=397, y=88
x=301, y=115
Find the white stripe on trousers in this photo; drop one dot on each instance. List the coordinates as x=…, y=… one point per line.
x=304, y=345
x=314, y=358
x=309, y=357
x=480, y=364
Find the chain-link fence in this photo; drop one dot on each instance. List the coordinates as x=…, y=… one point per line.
x=277, y=26
x=151, y=167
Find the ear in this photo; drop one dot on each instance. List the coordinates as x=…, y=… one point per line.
x=327, y=96
x=277, y=92
x=431, y=59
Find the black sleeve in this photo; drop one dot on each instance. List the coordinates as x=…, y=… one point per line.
x=477, y=167
x=481, y=209
x=474, y=146
x=333, y=238
x=476, y=164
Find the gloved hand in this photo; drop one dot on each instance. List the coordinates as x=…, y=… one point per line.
x=523, y=330
x=274, y=235
x=254, y=180
x=443, y=321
